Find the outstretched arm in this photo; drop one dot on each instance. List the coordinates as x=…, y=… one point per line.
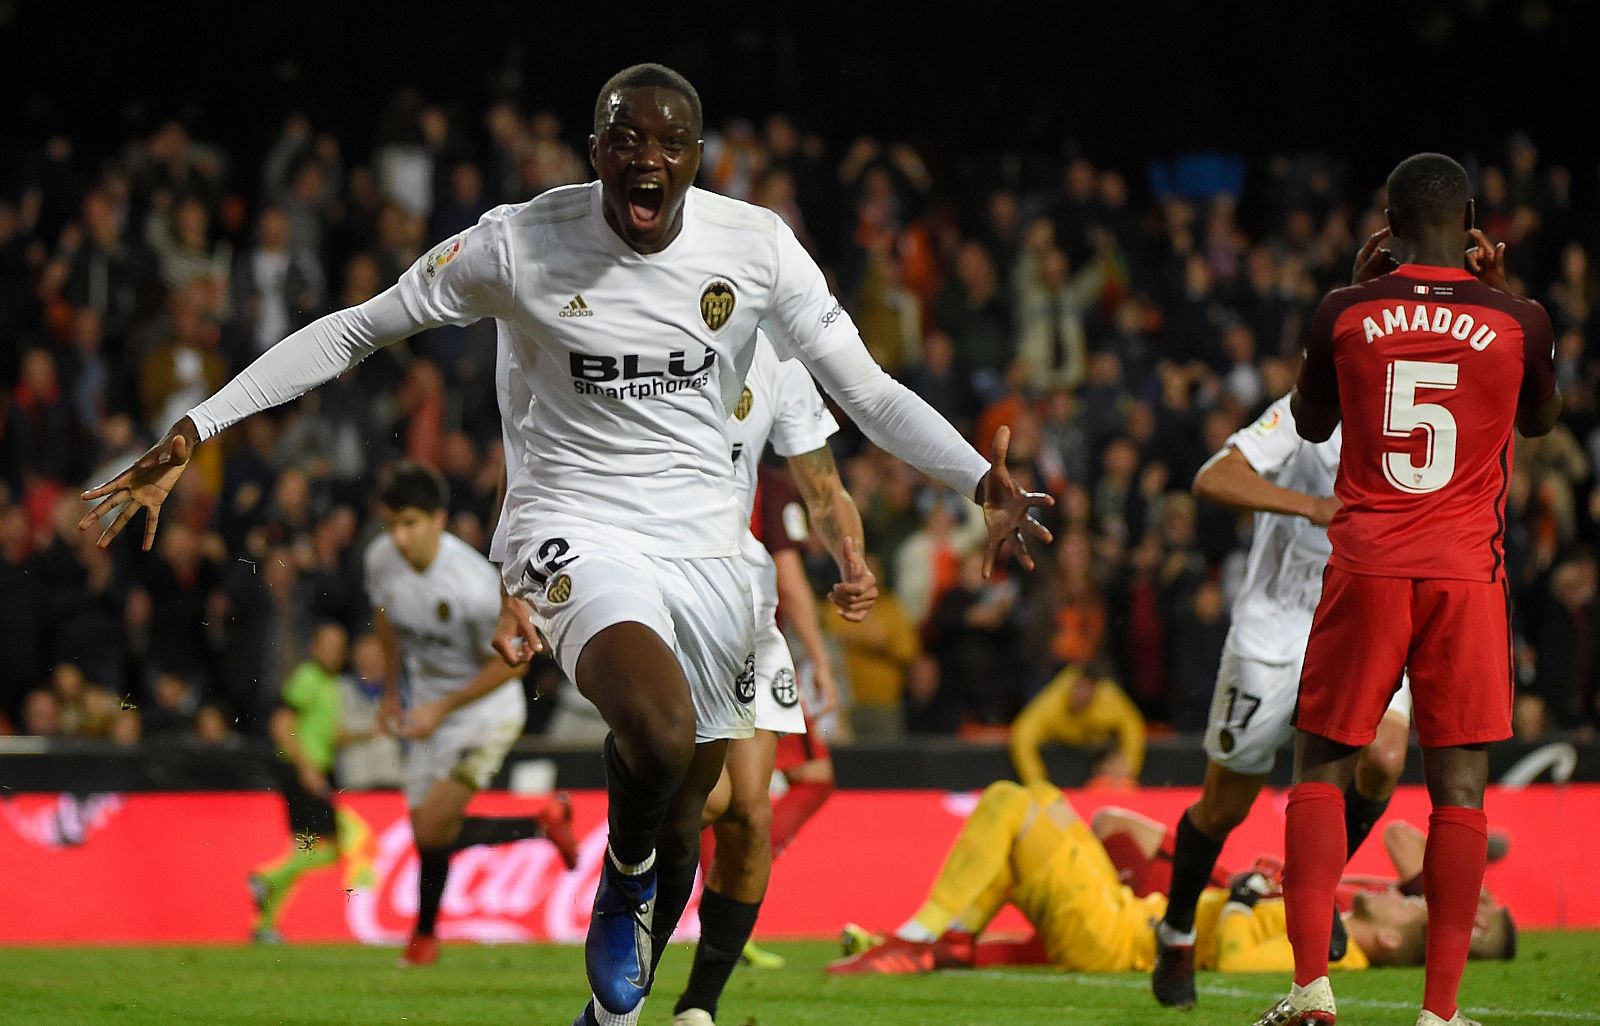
x=805, y=321
x=467, y=278
x=319, y=352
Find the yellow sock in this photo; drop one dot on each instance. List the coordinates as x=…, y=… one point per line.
x=978, y=868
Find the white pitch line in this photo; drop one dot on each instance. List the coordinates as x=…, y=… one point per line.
x=1265, y=996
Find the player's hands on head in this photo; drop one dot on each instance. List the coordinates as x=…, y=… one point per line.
x=515, y=637
x=1008, y=511
x=1373, y=261
x=1323, y=507
x=421, y=721
x=145, y=485
x=1487, y=260
x=858, y=590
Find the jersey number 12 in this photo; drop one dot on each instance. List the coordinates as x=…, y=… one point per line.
x=1403, y=415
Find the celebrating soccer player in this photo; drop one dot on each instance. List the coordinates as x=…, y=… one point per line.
x=436, y=602
x=1429, y=368
x=627, y=312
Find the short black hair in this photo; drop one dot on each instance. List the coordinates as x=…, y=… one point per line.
x=640, y=76
x=1429, y=188
x=414, y=486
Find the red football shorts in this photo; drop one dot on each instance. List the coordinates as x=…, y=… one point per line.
x=1453, y=637
x=799, y=749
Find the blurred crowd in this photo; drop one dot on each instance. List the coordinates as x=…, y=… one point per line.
x=1122, y=321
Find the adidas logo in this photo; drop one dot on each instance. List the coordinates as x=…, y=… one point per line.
x=576, y=308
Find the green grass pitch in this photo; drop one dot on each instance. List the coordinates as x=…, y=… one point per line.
x=1556, y=980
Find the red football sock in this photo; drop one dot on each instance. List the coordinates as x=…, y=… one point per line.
x=1452, y=874
x=1314, y=853
x=790, y=812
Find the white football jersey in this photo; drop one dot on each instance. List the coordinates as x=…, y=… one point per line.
x=780, y=404
x=444, y=617
x=621, y=368
x=1272, y=615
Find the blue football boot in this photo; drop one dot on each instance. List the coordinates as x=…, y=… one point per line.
x=617, y=950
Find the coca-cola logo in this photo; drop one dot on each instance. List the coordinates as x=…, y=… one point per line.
x=63, y=820
x=504, y=893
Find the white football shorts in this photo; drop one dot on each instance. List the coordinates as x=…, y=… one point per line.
x=1252, y=711
x=579, y=581
x=469, y=746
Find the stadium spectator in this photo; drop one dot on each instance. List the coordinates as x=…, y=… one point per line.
x=878, y=654
x=971, y=632
x=22, y=613
x=277, y=287
x=974, y=313
x=369, y=756
x=1083, y=709
x=41, y=715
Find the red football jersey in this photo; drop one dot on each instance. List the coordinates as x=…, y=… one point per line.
x=1428, y=366
x=778, y=519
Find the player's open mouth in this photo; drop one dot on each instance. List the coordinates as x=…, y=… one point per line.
x=644, y=204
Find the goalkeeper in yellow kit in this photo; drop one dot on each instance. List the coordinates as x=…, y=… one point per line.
x=1027, y=846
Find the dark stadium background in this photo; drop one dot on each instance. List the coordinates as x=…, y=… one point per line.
x=965, y=81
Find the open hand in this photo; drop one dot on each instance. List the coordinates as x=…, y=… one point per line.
x=1007, y=511
x=145, y=485
x=855, y=594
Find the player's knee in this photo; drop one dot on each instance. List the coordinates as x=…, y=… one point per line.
x=1002, y=791
x=431, y=832
x=1379, y=768
x=750, y=813
x=744, y=828
x=658, y=743
x=1219, y=813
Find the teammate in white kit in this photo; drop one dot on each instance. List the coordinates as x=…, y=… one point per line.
x=435, y=603
x=779, y=404
x=1288, y=481
x=627, y=312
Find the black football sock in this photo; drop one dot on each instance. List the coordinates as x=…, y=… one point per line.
x=1361, y=814
x=725, y=927
x=675, y=870
x=1193, y=858
x=431, y=876
x=636, y=807
x=496, y=830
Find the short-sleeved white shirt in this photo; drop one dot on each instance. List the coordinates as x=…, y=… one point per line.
x=780, y=404
x=1272, y=615
x=444, y=616
x=620, y=369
